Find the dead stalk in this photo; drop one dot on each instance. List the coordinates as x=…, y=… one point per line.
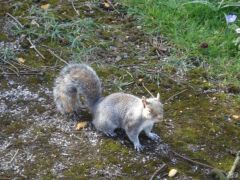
x=74, y=7
x=157, y=171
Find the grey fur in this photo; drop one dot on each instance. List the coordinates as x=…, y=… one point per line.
x=74, y=81
x=118, y=110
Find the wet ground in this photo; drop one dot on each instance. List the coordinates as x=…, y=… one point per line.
x=201, y=118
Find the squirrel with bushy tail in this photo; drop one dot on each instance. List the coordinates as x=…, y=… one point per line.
x=117, y=110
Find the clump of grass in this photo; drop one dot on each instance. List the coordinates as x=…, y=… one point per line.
x=6, y=55
x=45, y=23
x=197, y=28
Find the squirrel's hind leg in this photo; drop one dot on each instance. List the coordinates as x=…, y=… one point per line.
x=104, y=124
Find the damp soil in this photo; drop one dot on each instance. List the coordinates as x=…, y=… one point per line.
x=201, y=117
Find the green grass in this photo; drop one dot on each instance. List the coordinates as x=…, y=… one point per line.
x=189, y=25
x=6, y=54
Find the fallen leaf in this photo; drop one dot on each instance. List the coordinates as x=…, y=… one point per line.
x=106, y=5
x=21, y=60
x=140, y=80
x=172, y=173
x=236, y=117
x=81, y=125
x=45, y=6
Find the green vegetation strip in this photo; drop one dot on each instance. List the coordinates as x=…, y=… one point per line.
x=198, y=29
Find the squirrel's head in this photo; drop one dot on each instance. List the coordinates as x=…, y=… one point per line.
x=153, y=108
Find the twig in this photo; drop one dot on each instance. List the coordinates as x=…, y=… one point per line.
x=147, y=90
x=14, y=72
x=13, y=157
x=157, y=171
x=5, y=178
x=24, y=66
x=236, y=161
x=49, y=50
x=34, y=47
x=74, y=7
x=15, y=20
x=192, y=161
x=29, y=40
x=175, y=95
x=109, y=2
x=127, y=84
x=23, y=73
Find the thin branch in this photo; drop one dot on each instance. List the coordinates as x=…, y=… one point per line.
x=29, y=40
x=236, y=161
x=34, y=47
x=175, y=95
x=109, y=2
x=16, y=71
x=147, y=90
x=15, y=20
x=23, y=73
x=58, y=57
x=192, y=161
x=13, y=157
x=157, y=171
x=74, y=7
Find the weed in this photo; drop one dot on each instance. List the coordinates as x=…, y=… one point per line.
x=6, y=54
x=44, y=23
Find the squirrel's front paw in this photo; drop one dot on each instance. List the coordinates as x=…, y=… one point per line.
x=138, y=147
x=111, y=134
x=153, y=136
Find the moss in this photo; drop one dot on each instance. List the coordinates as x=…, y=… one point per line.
x=42, y=164
x=197, y=73
x=15, y=127
x=4, y=83
x=78, y=171
x=114, y=147
x=4, y=8
x=3, y=37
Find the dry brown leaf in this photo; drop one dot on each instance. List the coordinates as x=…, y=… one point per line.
x=172, y=173
x=21, y=60
x=45, y=6
x=81, y=125
x=236, y=117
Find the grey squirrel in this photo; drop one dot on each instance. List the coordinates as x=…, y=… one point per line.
x=117, y=110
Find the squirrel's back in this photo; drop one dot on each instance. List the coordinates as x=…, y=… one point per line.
x=76, y=81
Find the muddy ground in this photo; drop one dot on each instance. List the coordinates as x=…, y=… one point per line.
x=201, y=117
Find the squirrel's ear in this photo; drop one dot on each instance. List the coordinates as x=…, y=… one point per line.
x=158, y=96
x=144, y=101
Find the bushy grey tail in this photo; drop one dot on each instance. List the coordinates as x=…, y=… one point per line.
x=75, y=83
